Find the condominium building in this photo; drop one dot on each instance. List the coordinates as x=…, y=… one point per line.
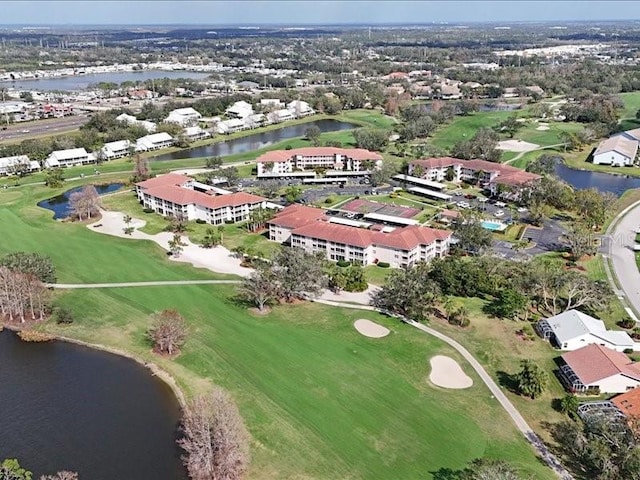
x=173, y=195
x=282, y=162
x=311, y=229
x=69, y=157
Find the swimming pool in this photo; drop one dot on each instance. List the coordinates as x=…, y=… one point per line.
x=493, y=225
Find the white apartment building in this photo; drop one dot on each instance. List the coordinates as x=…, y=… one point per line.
x=183, y=116
x=282, y=162
x=16, y=164
x=118, y=149
x=69, y=157
x=154, y=141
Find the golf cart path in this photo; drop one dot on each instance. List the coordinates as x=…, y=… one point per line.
x=493, y=387
x=71, y=286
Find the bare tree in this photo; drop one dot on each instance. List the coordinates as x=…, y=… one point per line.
x=260, y=288
x=63, y=475
x=22, y=295
x=215, y=439
x=141, y=170
x=169, y=331
x=85, y=203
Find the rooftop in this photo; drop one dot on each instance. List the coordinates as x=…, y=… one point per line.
x=284, y=155
x=594, y=363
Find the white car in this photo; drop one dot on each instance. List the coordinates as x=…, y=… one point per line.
x=501, y=204
x=463, y=205
x=636, y=247
x=499, y=213
x=522, y=210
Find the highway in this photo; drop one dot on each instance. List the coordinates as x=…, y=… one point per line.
x=20, y=131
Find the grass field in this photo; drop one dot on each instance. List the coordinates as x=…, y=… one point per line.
x=320, y=400
x=461, y=128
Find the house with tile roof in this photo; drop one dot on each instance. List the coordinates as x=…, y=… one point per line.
x=628, y=403
x=280, y=163
x=573, y=329
x=313, y=230
x=495, y=177
x=595, y=368
x=173, y=195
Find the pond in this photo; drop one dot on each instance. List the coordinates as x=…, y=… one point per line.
x=59, y=204
x=82, y=82
x=255, y=141
x=603, y=182
x=68, y=407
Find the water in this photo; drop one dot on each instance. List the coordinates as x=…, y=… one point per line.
x=493, y=226
x=603, y=182
x=59, y=204
x=68, y=407
x=82, y=82
x=255, y=141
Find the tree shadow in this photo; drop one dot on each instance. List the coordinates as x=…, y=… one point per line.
x=508, y=381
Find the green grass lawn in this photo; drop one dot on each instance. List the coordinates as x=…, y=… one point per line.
x=461, y=128
x=320, y=400
x=631, y=102
x=377, y=275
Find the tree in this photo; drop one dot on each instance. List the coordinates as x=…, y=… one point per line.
x=168, y=331
x=261, y=287
x=176, y=245
x=212, y=238
x=292, y=193
x=10, y=469
x=581, y=242
x=299, y=273
x=21, y=295
x=41, y=266
x=374, y=139
x=313, y=134
x=569, y=404
x=215, y=439
x=508, y=303
x=592, y=206
x=213, y=162
x=177, y=223
x=258, y=218
x=85, y=203
x=543, y=165
x=482, y=145
x=53, y=177
x=471, y=236
x=141, y=170
x=532, y=380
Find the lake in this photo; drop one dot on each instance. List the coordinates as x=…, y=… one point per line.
x=255, y=141
x=68, y=407
x=603, y=182
x=59, y=204
x=82, y=82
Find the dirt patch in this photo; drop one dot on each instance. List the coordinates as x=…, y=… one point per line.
x=370, y=329
x=447, y=373
x=260, y=313
x=517, y=146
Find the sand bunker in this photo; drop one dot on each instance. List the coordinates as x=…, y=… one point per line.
x=516, y=146
x=447, y=373
x=542, y=126
x=370, y=329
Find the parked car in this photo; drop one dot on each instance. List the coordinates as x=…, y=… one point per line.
x=522, y=210
x=499, y=213
x=636, y=247
x=501, y=204
x=463, y=205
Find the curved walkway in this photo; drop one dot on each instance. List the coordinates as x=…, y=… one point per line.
x=620, y=238
x=517, y=418
x=72, y=286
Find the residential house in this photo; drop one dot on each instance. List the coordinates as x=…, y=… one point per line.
x=281, y=115
x=300, y=108
x=283, y=162
x=239, y=110
x=598, y=369
x=131, y=120
x=274, y=103
x=573, y=329
x=183, y=116
x=154, y=141
x=618, y=151
x=173, y=194
x=69, y=157
x=312, y=230
x=230, y=126
x=17, y=164
x=196, y=133
x=119, y=149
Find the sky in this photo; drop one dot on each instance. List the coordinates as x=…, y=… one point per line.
x=238, y=12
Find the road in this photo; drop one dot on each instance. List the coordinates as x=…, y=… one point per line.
x=621, y=239
x=73, y=286
x=522, y=425
x=37, y=128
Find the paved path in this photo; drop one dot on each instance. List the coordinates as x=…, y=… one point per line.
x=517, y=418
x=620, y=239
x=72, y=286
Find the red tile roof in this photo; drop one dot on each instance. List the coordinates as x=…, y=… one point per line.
x=628, y=402
x=594, y=363
x=507, y=174
x=164, y=180
x=275, y=156
x=333, y=232
x=437, y=162
x=186, y=196
x=295, y=216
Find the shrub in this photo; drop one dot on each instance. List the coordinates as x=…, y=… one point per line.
x=627, y=323
x=147, y=210
x=288, y=147
x=200, y=221
x=343, y=263
x=383, y=265
x=63, y=315
x=628, y=351
x=328, y=200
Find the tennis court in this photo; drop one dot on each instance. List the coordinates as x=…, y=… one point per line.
x=367, y=206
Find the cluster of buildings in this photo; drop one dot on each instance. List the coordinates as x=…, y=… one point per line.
x=308, y=161
x=620, y=150
x=243, y=117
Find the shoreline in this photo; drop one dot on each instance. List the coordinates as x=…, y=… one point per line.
x=155, y=370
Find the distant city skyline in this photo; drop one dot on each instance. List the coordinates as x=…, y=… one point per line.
x=309, y=12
